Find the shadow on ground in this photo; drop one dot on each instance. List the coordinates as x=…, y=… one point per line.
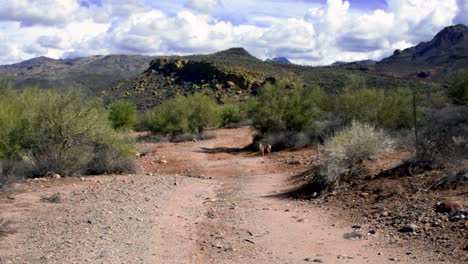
x=223, y=150
x=306, y=188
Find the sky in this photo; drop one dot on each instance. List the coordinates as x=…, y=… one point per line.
x=308, y=32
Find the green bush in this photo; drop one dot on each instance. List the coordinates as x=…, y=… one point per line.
x=390, y=108
x=350, y=147
x=123, y=115
x=279, y=108
x=57, y=131
x=233, y=114
x=183, y=115
x=458, y=89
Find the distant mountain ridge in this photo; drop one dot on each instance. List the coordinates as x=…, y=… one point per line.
x=94, y=73
x=235, y=74
x=282, y=60
x=441, y=56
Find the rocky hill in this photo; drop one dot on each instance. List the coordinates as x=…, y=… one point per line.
x=435, y=59
x=95, y=73
x=230, y=75
x=234, y=74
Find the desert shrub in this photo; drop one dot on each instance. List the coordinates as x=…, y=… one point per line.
x=232, y=114
x=443, y=135
x=112, y=157
x=387, y=108
x=12, y=170
x=56, y=131
x=349, y=147
x=183, y=115
x=280, y=107
x=123, y=115
x=458, y=89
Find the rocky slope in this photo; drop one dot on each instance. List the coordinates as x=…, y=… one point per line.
x=234, y=74
x=444, y=54
x=95, y=73
x=230, y=75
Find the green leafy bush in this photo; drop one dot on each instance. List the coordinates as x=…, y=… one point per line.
x=123, y=115
x=280, y=107
x=183, y=115
x=458, y=89
x=58, y=131
x=387, y=108
x=233, y=114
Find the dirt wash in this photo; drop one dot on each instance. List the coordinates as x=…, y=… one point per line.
x=198, y=202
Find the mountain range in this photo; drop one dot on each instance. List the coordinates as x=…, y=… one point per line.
x=235, y=74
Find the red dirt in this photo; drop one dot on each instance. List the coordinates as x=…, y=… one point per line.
x=210, y=203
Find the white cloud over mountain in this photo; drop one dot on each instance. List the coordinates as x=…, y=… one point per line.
x=321, y=34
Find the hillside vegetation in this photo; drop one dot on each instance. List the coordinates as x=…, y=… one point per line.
x=235, y=75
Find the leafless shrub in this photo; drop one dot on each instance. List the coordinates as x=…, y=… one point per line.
x=451, y=181
x=443, y=135
x=12, y=170
x=107, y=160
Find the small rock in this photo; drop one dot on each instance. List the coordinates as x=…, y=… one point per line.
x=385, y=214
x=364, y=194
x=163, y=161
x=409, y=228
x=250, y=241
x=449, y=206
x=356, y=227
x=313, y=260
x=353, y=236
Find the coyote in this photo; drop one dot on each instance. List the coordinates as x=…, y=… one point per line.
x=268, y=148
x=261, y=147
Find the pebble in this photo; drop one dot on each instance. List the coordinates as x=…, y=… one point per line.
x=313, y=260
x=409, y=228
x=449, y=206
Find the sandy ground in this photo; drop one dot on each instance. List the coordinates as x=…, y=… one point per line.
x=210, y=203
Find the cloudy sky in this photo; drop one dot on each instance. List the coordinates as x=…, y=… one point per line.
x=313, y=32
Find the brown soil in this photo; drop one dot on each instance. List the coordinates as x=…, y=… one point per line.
x=199, y=202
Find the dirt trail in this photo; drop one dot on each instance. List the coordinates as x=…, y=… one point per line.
x=211, y=203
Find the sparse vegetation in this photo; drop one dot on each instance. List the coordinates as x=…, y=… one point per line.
x=443, y=135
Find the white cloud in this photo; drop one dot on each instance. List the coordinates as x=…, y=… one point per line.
x=204, y=6
x=320, y=35
x=38, y=12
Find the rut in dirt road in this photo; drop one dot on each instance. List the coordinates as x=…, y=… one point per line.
x=211, y=203
x=243, y=219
